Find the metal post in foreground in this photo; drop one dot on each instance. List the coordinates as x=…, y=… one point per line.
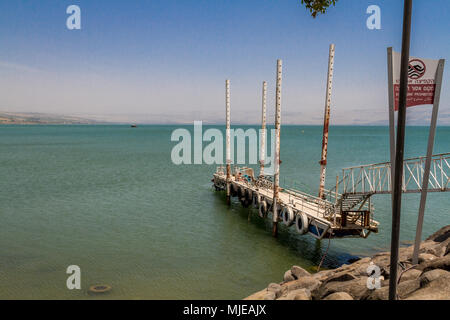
x=228, y=134
x=262, y=151
x=426, y=174
x=399, y=150
x=276, y=176
x=326, y=122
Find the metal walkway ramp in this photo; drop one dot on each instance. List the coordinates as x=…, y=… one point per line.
x=376, y=178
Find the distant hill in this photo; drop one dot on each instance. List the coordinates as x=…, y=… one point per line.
x=41, y=118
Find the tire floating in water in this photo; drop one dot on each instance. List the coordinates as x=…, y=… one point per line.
x=100, y=288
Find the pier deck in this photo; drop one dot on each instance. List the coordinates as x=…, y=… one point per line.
x=325, y=219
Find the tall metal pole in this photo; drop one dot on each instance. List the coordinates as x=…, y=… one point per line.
x=262, y=151
x=399, y=150
x=228, y=138
x=426, y=173
x=391, y=116
x=326, y=122
x=276, y=176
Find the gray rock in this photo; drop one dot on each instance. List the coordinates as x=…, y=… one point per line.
x=270, y=295
x=300, y=294
x=357, y=288
x=276, y=289
x=424, y=257
x=323, y=275
x=288, y=276
x=304, y=283
x=439, y=249
x=339, y=296
x=432, y=275
x=410, y=275
x=437, y=289
x=341, y=276
x=438, y=263
x=299, y=272
x=440, y=235
x=404, y=289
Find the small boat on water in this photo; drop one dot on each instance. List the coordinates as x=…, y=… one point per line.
x=134, y=126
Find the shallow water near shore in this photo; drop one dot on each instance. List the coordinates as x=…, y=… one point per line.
x=109, y=199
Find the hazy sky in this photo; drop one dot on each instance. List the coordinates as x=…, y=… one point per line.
x=166, y=61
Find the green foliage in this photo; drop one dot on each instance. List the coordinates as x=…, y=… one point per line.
x=318, y=6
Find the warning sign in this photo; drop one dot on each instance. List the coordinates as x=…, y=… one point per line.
x=421, y=80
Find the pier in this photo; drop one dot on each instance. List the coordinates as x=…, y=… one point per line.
x=344, y=211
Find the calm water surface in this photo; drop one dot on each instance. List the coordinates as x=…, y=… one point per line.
x=109, y=199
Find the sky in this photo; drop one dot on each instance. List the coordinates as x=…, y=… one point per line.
x=166, y=61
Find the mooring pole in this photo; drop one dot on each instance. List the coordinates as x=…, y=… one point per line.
x=262, y=151
x=426, y=173
x=326, y=122
x=399, y=150
x=228, y=134
x=276, y=176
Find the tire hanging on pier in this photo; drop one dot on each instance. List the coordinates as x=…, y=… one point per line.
x=249, y=195
x=233, y=190
x=256, y=200
x=241, y=193
x=301, y=223
x=288, y=216
x=262, y=209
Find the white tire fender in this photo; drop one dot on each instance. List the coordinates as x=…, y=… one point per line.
x=301, y=223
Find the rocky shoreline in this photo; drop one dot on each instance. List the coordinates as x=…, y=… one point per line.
x=368, y=278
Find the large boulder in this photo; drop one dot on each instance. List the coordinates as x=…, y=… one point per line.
x=411, y=274
x=425, y=257
x=300, y=294
x=270, y=295
x=276, y=289
x=357, y=288
x=339, y=296
x=288, y=276
x=437, y=289
x=432, y=275
x=438, y=263
x=404, y=289
x=298, y=272
x=303, y=283
x=341, y=276
x=440, y=235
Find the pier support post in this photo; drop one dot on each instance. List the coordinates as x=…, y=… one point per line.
x=228, y=138
x=326, y=122
x=276, y=176
x=262, y=144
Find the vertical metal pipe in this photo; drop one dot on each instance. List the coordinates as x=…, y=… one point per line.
x=262, y=151
x=390, y=64
x=326, y=122
x=399, y=150
x=426, y=174
x=276, y=177
x=228, y=137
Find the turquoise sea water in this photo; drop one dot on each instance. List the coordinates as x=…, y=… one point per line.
x=109, y=199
